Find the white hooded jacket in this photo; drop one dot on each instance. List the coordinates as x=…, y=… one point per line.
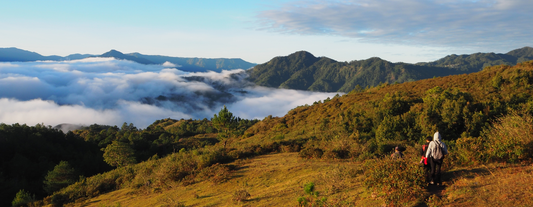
x=432, y=145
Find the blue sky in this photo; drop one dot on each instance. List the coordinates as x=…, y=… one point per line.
x=258, y=30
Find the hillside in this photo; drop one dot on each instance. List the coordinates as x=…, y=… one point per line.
x=303, y=71
x=485, y=119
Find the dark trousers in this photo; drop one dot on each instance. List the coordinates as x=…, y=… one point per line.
x=435, y=169
x=427, y=172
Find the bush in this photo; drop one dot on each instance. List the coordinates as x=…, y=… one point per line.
x=467, y=151
x=510, y=139
x=309, y=188
x=240, y=195
x=397, y=181
x=22, y=198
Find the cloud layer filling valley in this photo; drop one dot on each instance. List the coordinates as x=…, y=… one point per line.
x=111, y=92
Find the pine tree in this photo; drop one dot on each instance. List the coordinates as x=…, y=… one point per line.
x=225, y=122
x=62, y=176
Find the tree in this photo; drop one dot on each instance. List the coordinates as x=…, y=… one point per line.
x=224, y=123
x=62, y=176
x=119, y=154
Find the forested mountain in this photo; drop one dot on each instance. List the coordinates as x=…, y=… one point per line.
x=185, y=64
x=477, y=61
x=303, y=71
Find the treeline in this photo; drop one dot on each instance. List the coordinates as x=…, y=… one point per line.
x=27, y=153
x=39, y=160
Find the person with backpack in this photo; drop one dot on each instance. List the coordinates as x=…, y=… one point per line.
x=397, y=153
x=424, y=159
x=435, y=154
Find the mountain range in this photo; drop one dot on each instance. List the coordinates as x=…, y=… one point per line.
x=304, y=71
x=186, y=64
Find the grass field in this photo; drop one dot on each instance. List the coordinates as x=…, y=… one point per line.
x=279, y=179
x=271, y=180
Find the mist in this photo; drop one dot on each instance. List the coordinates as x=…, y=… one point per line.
x=111, y=92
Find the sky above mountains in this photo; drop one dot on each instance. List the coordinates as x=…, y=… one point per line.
x=258, y=30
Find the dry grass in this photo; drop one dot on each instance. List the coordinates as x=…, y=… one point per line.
x=496, y=185
x=271, y=180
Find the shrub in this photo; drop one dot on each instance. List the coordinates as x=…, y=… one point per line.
x=467, y=151
x=398, y=181
x=22, y=198
x=510, y=139
x=240, y=195
x=309, y=188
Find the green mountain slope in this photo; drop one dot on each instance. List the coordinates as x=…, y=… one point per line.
x=477, y=61
x=303, y=71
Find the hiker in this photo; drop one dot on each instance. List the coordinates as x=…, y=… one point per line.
x=397, y=154
x=435, y=154
x=424, y=159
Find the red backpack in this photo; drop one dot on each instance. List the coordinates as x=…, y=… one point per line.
x=425, y=148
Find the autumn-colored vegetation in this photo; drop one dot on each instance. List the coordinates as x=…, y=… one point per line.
x=485, y=119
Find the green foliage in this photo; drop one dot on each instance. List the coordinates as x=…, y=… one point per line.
x=302, y=201
x=22, y=198
x=510, y=139
x=312, y=198
x=224, y=122
x=62, y=176
x=309, y=188
x=119, y=154
x=398, y=181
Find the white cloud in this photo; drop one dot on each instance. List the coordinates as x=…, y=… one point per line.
x=170, y=65
x=109, y=91
x=451, y=23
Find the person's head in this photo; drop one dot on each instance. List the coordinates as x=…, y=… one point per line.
x=397, y=148
x=428, y=139
x=437, y=137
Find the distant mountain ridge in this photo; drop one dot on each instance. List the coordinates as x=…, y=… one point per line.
x=13, y=54
x=186, y=64
x=197, y=64
x=303, y=71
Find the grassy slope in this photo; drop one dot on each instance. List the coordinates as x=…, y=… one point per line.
x=278, y=179
x=271, y=180
x=494, y=185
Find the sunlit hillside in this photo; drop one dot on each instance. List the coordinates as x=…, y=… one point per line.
x=332, y=153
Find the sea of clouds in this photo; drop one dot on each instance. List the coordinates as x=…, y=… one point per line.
x=110, y=92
